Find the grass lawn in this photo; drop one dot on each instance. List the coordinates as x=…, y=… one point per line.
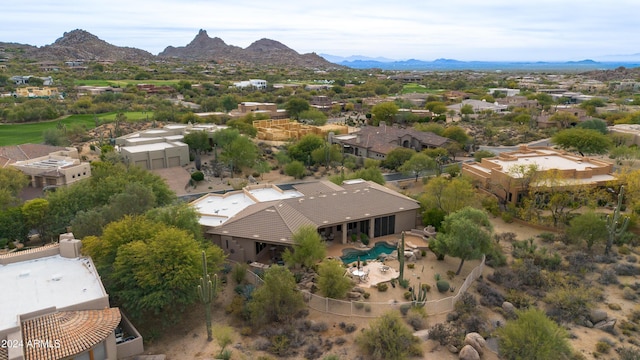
x=416, y=88
x=124, y=83
x=15, y=134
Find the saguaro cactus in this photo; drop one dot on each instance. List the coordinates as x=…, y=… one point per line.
x=207, y=291
x=401, y=257
x=616, y=224
x=421, y=298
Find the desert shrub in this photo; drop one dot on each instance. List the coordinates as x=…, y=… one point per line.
x=507, y=217
x=442, y=286
x=451, y=274
x=466, y=304
x=426, y=287
x=404, y=283
x=632, y=259
x=532, y=335
x=358, y=305
x=197, y=176
x=446, y=335
x=623, y=250
x=519, y=299
x=319, y=326
x=608, y=276
x=340, y=341
x=528, y=273
x=349, y=328
x=626, y=270
x=603, y=347
x=407, y=295
x=416, y=319
x=570, y=303
x=404, y=309
x=547, y=237
x=580, y=262
x=629, y=294
x=239, y=273
x=280, y=345
x=626, y=353
x=491, y=297
x=389, y=338
x=261, y=344
x=312, y=352
x=411, y=266
x=383, y=287
x=246, y=331
x=495, y=257
x=505, y=237
x=367, y=307
x=366, y=295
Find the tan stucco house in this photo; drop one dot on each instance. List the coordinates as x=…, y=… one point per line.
x=249, y=223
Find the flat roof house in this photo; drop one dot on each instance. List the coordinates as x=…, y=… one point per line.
x=55, y=307
x=46, y=165
x=496, y=174
x=249, y=223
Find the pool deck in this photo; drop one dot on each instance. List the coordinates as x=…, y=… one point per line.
x=376, y=274
x=335, y=248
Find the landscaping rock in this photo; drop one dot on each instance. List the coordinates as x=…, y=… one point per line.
x=607, y=325
x=508, y=307
x=358, y=290
x=422, y=334
x=477, y=341
x=468, y=353
x=452, y=349
x=597, y=315
x=353, y=295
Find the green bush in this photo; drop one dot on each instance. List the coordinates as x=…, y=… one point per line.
x=404, y=308
x=603, y=347
x=411, y=266
x=383, y=287
x=407, y=295
x=197, y=176
x=506, y=217
x=239, y=273
x=531, y=336
x=570, y=302
x=404, y=283
x=3, y=242
x=442, y=285
x=389, y=338
x=364, y=239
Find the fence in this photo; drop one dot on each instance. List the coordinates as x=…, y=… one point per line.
x=376, y=309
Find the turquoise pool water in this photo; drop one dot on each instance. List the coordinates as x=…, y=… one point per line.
x=351, y=255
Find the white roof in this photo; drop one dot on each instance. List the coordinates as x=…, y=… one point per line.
x=546, y=163
x=216, y=209
x=46, y=282
x=152, y=147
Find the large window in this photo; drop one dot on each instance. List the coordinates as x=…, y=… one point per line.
x=259, y=247
x=385, y=225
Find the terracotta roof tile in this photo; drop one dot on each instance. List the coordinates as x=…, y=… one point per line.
x=67, y=333
x=11, y=154
x=30, y=251
x=383, y=139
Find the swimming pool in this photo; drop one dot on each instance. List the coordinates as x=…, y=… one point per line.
x=351, y=255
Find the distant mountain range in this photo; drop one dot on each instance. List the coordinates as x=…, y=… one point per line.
x=80, y=44
x=451, y=64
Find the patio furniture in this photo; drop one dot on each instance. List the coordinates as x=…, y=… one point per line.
x=384, y=268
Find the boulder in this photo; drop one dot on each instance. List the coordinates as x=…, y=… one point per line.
x=353, y=295
x=358, y=290
x=597, y=315
x=452, y=349
x=477, y=341
x=508, y=307
x=468, y=353
x=606, y=325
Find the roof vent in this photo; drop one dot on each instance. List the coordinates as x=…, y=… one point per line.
x=56, y=277
x=24, y=273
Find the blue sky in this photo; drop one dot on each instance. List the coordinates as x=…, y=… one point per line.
x=540, y=30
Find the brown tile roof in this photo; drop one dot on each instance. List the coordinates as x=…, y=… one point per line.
x=316, y=187
x=279, y=219
x=11, y=154
x=383, y=139
x=67, y=333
